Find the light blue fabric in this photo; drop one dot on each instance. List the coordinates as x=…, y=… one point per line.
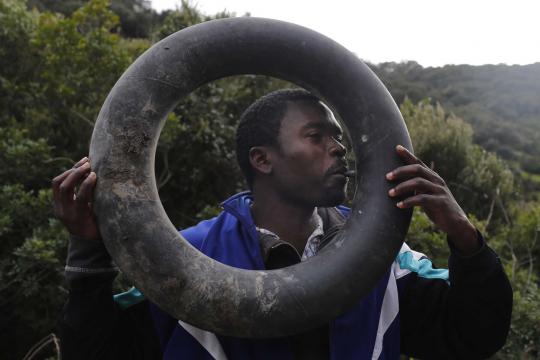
x=422, y=267
x=128, y=298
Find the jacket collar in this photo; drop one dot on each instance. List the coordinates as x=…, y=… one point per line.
x=239, y=205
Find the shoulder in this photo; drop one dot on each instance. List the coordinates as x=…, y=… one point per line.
x=197, y=233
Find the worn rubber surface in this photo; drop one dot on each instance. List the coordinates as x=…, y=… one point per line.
x=173, y=274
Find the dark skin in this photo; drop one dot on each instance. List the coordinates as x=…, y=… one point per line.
x=72, y=192
x=433, y=196
x=306, y=170
x=309, y=136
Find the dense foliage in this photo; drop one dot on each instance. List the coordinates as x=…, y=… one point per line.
x=500, y=101
x=58, y=60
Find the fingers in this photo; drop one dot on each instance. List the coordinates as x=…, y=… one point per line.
x=67, y=187
x=80, y=162
x=57, y=181
x=73, y=211
x=417, y=185
x=406, y=155
x=423, y=200
x=414, y=168
x=86, y=190
x=412, y=171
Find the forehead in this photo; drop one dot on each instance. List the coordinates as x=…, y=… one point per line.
x=302, y=115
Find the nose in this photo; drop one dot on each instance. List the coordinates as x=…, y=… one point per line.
x=337, y=148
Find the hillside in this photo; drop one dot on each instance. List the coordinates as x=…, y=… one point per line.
x=501, y=102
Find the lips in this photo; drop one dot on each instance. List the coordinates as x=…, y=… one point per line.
x=338, y=169
x=341, y=171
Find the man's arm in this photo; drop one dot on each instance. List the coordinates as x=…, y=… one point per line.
x=464, y=317
x=467, y=317
x=92, y=325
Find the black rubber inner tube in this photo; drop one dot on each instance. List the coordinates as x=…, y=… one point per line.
x=176, y=276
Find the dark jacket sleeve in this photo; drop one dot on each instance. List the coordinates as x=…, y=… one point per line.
x=465, y=318
x=92, y=325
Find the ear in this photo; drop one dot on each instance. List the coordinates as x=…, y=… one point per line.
x=260, y=159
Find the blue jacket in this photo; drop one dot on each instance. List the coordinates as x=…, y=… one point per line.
x=369, y=330
x=413, y=309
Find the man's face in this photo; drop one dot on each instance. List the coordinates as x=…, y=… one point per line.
x=309, y=167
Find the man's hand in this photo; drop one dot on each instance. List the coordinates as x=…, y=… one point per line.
x=425, y=188
x=72, y=192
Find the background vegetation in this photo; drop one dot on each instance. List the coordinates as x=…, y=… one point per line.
x=499, y=101
x=479, y=127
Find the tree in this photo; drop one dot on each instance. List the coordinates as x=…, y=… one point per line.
x=518, y=245
x=479, y=180
x=499, y=101
x=137, y=18
x=56, y=69
x=55, y=72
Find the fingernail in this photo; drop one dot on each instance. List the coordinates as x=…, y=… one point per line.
x=80, y=162
x=400, y=204
x=86, y=165
x=390, y=175
x=392, y=192
x=400, y=147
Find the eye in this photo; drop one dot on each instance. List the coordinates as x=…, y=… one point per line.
x=315, y=135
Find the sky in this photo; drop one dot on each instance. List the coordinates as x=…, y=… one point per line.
x=431, y=32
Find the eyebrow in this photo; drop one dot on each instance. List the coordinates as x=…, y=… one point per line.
x=323, y=126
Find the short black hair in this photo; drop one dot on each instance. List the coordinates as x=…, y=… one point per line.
x=260, y=124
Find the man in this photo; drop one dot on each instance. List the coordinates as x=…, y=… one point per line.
x=289, y=147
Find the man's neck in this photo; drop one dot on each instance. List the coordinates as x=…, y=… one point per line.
x=291, y=222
